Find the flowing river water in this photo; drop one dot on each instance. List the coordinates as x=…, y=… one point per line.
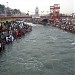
x=44, y=51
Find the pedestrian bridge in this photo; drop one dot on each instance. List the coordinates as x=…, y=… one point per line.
x=12, y=18
x=26, y=18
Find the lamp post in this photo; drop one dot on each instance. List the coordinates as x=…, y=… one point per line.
x=7, y=4
x=28, y=12
x=6, y=9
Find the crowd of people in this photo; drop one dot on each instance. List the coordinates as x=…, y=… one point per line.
x=11, y=31
x=64, y=25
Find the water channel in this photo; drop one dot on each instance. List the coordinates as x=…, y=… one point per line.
x=44, y=51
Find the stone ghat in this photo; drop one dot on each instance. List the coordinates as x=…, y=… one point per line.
x=68, y=28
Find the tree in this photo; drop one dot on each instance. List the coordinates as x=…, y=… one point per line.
x=8, y=11
x=16, y=11
x=2, y=9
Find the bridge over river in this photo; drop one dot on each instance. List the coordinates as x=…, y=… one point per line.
x=44, y=51
x=26, y=18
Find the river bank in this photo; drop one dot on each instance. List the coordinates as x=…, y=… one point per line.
x=11, y=31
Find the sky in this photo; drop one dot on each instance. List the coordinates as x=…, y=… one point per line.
x=66, y=6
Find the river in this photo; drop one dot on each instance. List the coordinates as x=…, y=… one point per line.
x=44, y=51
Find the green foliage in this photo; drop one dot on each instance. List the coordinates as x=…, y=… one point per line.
x=8, y=11
x=16, y=11
x=2, y=9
